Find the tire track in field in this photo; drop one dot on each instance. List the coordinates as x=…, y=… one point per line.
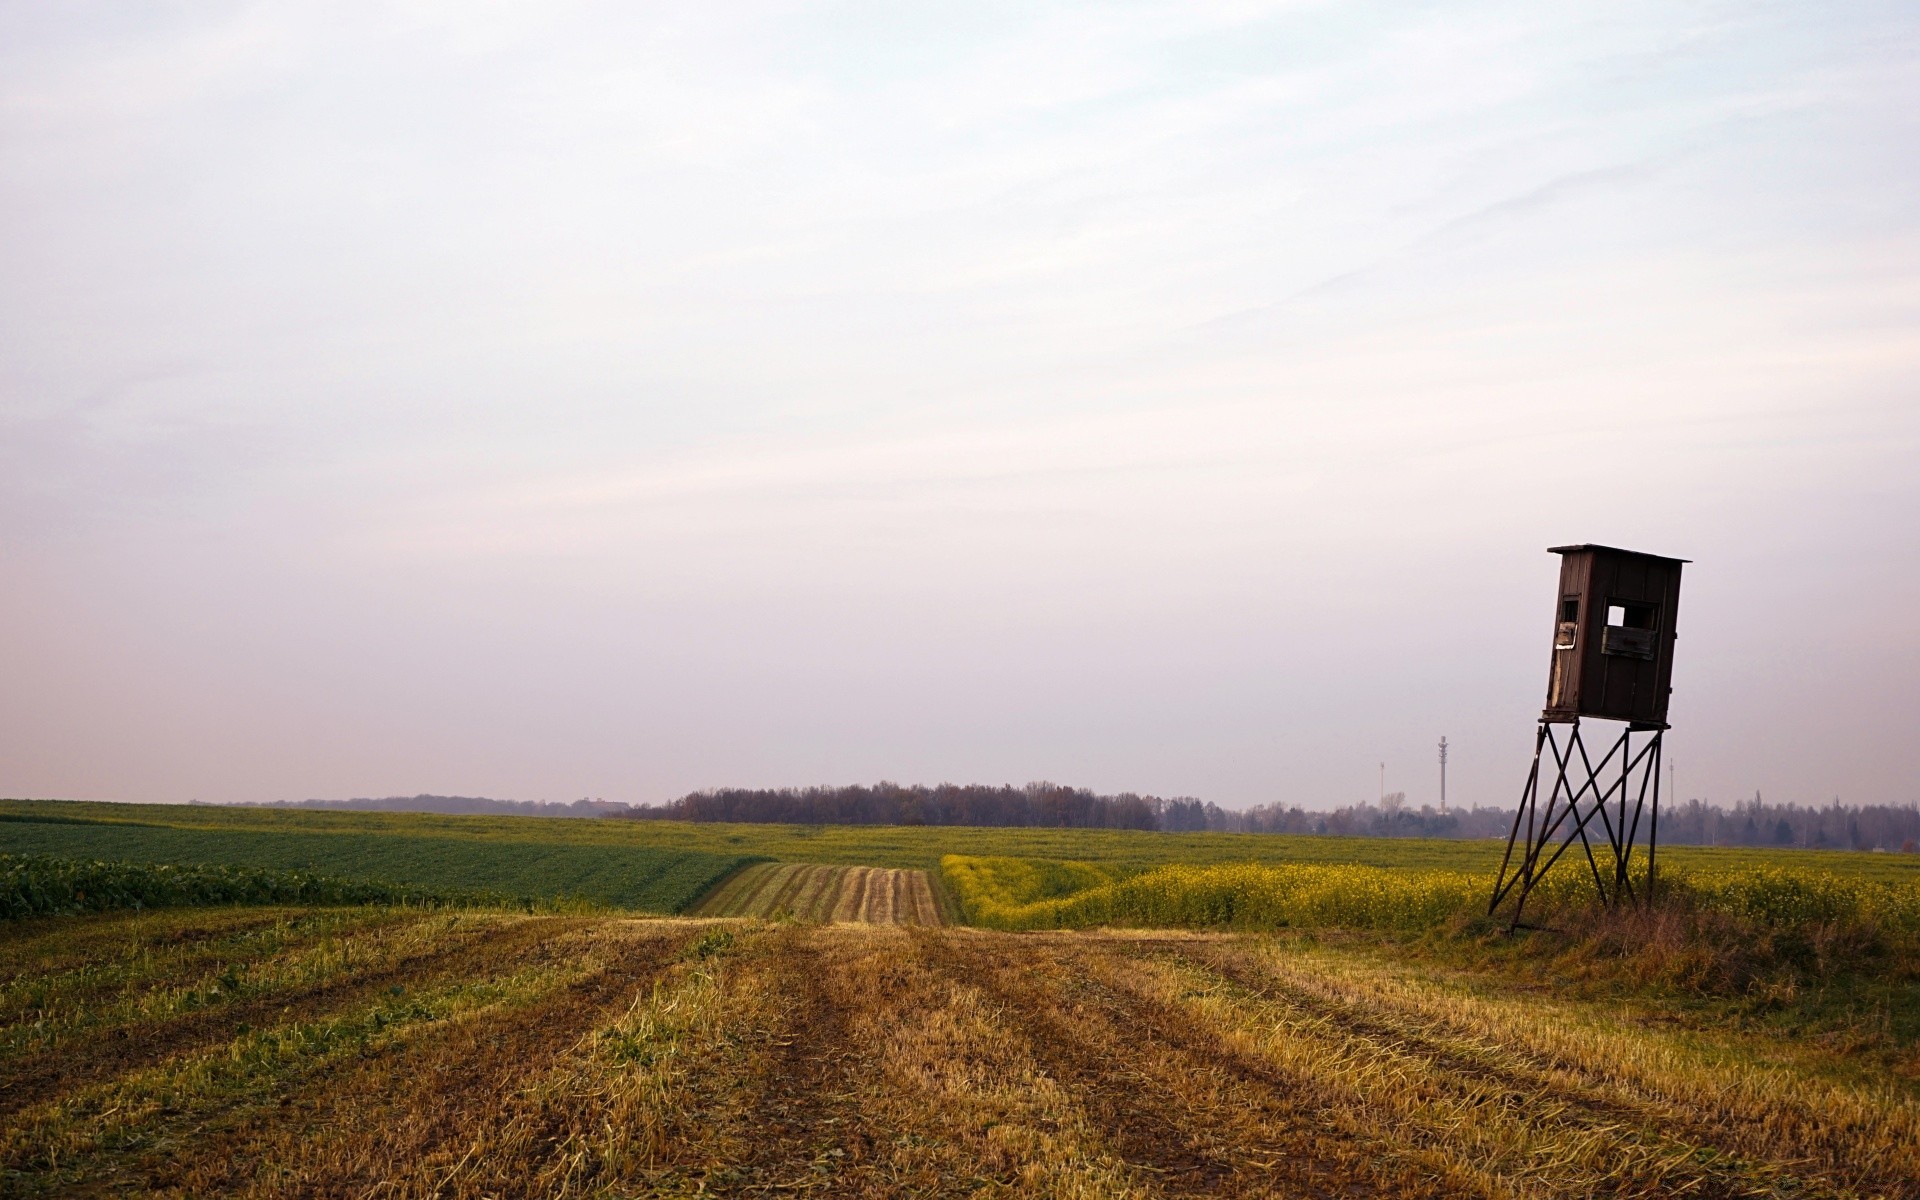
x=1535, y=1081
x=743, y=1081
x=41, y=951
x=850, y=902
x=191, y=1100
x=894, y=890
x=1135, y=1117
x=926, y=906
x=1164, y=1094
x=949, y=1099
x=395, y=1122
x=1538, y=1103
x=879, y=907
x=87, y=1000
x=1648, y=1120
x=908, y=897
x=40, y=1077
x=866, y=903
x=806, y=1125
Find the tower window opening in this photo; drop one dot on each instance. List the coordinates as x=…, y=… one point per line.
x=1624, y=614
x=1630, y=627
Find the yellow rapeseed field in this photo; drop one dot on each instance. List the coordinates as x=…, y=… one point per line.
x=1015, y=894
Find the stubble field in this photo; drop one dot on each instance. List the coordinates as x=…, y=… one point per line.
x=388, y=1052
x=815, y=892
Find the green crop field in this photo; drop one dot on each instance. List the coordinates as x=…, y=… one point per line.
x=634, y=876
x=37, y=886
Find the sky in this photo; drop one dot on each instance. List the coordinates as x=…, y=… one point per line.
x=559, y=400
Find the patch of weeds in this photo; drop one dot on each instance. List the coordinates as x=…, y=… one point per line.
x=639, y=1047
x=709, y=944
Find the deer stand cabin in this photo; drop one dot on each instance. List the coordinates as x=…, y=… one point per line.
x=1613, y=636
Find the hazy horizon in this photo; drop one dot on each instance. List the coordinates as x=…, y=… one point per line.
x=1431, y=804
x=1170, y=398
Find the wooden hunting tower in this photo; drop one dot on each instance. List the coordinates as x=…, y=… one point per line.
x=1613, y=636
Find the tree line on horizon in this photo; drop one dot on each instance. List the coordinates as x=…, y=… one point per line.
x=1041, y=805
x=1833, y=826
x=1057, y=806
x=462, y=806
x=1049, y=805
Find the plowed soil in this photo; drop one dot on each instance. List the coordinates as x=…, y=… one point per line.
x=602, y=1056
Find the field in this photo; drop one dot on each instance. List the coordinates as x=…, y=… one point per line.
x=356, y=1052
x=33, y=886
x=551, y=856
x=27, y=826
x=1015, y=893
x=806, y=892
x=1189, y=1015
x=635, y=876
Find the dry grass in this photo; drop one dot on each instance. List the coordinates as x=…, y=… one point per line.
x=416, y=1055
x=1509, y=1073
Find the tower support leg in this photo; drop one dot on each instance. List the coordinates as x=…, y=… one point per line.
x=1577, y=792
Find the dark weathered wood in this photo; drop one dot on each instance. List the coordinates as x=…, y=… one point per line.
x=1568, y=664
x=1615, y=671
x=1618, y=673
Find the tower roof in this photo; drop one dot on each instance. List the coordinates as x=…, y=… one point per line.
x=1612, y=550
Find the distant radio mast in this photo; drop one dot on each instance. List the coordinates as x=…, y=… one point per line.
x=1443, y=774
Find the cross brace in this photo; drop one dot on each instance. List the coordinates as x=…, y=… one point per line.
x=1577, y=801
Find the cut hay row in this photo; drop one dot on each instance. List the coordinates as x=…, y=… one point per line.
x=599, y=1056
x=815, y=892
x=813, y=899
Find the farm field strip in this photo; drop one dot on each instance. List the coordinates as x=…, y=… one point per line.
x=818, y=892
x=597, y=1055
